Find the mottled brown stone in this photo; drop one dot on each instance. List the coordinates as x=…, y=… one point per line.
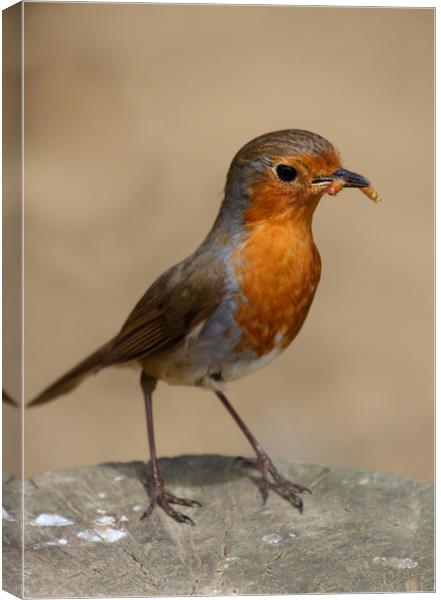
x=361, y=531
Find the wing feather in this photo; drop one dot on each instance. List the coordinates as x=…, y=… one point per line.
x=176, y=302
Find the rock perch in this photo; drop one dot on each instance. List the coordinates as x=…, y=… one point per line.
x=361, y=531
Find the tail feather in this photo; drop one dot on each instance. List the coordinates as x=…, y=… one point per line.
x=90, y=365
x=8, y=399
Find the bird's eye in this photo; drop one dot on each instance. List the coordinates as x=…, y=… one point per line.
x=286, y=172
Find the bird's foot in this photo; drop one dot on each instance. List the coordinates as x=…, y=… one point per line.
x=160, y=496
x=287, y=489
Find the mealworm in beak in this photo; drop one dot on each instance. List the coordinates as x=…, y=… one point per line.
x=338, y=184
x=371, y=194
x=335, y=187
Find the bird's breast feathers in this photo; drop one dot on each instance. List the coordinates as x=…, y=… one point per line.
x=278, y=270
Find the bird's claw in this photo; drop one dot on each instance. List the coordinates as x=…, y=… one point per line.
x=264, y=487
x=290, y=491
x=163, y=498
x=287, y=489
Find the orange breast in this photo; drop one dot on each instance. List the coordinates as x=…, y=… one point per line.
x=278, y=269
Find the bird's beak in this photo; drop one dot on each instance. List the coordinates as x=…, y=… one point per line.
x=348, y=178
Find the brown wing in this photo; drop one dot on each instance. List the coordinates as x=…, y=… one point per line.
x=177, y=301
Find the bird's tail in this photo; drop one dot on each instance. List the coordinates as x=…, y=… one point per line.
x=90, y=365
x=8, y=399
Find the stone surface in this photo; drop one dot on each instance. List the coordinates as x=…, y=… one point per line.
x=360, y=532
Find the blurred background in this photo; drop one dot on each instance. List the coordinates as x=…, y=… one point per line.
x=132, y=115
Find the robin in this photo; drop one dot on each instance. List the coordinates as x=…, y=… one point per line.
x=239, y=300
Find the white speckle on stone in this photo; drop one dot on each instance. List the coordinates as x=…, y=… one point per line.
x=124, y=518
x=292, y=534
x=272, y=538
x=112, y=535
x=60, y=542
x=102, y=495
x=106, y=535
x=406, y=563
x=101, y=511
x=363, y=481
x=89, y=535
x=6, y=516
x=137, y=508
x=397, y=563
x=50, y=520
x=119, y=478
x=107, y=520
x=43, y=545
x=229, y=560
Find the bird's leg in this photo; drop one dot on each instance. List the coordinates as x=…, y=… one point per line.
x=286, y=488
x=158, y=492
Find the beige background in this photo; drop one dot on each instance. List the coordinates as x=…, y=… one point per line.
x=132, y=116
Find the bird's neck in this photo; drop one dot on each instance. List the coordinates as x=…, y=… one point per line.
x=283, y=239
x=241, y=215
x=290, y=226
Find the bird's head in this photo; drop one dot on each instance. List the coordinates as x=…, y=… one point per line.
x=284, y=174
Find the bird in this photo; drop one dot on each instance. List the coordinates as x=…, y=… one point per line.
x=238, y=301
